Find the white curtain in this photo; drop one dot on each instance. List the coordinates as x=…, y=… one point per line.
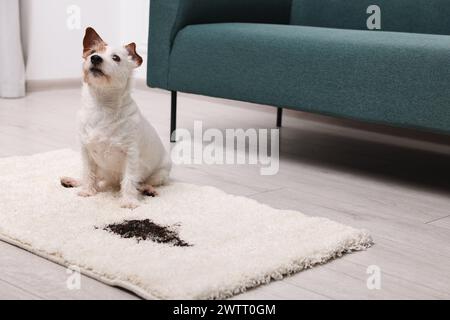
x=12, y=69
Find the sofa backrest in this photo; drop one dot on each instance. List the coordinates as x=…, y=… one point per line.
x=417, y=16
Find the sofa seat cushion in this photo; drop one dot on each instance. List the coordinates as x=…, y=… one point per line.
x=388, y=77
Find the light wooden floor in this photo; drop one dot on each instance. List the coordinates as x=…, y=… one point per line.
x=396, y=183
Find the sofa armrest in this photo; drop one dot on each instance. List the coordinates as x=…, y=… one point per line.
x=167, y=17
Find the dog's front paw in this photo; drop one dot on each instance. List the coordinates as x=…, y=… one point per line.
x=86, y=193
x=129, y=203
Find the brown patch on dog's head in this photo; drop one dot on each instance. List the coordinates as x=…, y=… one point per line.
x=131, y=48
x=92, y=42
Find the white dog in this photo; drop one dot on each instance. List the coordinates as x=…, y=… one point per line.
x=120, y=149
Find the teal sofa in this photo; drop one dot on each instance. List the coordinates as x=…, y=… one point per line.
x=309, y=55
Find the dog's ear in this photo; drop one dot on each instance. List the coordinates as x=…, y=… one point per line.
x=131, y=48
x=91, y=40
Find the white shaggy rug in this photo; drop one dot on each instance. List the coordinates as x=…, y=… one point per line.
x=235, y=243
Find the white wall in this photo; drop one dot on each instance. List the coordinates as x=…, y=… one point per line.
x=134, y=28
x=53, y=50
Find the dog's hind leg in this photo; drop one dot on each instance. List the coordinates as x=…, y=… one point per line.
x=147, y=190
x=68, y=182
x=158, y=178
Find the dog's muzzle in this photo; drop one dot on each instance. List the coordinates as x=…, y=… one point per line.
x=96, y=61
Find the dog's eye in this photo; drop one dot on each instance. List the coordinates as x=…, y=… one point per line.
x=116, y=58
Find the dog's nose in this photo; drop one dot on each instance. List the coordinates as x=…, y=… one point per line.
x=96, y=60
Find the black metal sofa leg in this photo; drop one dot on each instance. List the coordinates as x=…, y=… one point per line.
x=173, y=116
x=279, y=117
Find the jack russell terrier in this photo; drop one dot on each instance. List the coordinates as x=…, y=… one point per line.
x=120, y=148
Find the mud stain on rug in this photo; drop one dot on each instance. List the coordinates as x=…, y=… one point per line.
x=143, y=230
